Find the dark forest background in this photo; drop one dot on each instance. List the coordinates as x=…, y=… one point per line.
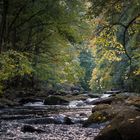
x=54, y=44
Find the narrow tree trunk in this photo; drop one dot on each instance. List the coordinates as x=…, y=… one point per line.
x=14, y=38
x=3, y=22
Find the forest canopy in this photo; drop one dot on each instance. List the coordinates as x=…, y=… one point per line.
x=116, y=44
x=89, y=43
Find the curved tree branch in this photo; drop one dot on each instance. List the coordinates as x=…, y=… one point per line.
x=124, y=36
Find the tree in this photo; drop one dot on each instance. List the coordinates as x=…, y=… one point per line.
x=44, y=33
x=87, y=63
x=119, y=20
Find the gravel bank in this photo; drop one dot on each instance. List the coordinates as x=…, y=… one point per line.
x=12, y=131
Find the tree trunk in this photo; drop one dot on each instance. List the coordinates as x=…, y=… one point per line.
x=3, y=22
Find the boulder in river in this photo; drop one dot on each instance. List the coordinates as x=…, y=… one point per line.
x=101, y=107
x=98, y=117
x=125, y=126
x=55, y=100
x=31, y=129
x=67, y=121
x=135, y=100
x=103, y=113
x=107, y=100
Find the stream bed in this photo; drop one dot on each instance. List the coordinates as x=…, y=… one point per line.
x=57, y=122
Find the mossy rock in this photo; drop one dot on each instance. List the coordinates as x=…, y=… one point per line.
x=101, y=107
x=135, y=100
x=98, y=117
x=119, y=98
x=103, y=113
x=74, y=97
x=125, y=126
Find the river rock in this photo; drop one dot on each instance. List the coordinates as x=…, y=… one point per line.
x=55, y=100
x=101, y=107
x=107, y=100
x=83, y=114
x=68, y=121
x=125, y=126
x=103, y=113
x=31, y=129
x=135, y=100
x=98, y=117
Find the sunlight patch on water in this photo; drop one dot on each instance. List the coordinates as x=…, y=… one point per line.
x=105, y=95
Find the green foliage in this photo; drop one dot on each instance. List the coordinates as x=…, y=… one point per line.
x=44, y=39
x=107, y=52
x=87, y=63
x=115, y=44
x=13, y=64
x=48, y=31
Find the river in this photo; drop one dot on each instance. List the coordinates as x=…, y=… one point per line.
x=59, y=122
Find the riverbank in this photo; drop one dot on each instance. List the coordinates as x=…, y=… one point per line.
x=71, y=117
x=50, y=119
x=12, y=131
x=58, y=122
